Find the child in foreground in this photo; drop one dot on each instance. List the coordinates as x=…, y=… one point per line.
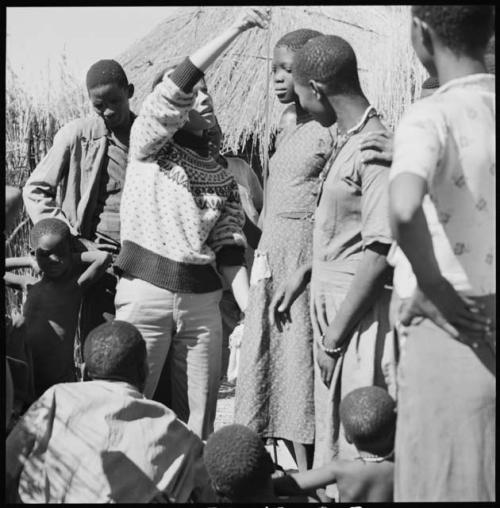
x=241, y=469
x=369, y=419
x=239, y=466
x=51, y=310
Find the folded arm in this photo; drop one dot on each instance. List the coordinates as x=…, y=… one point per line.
x=97, y=261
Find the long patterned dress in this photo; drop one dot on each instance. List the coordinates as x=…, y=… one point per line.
x=275, y=386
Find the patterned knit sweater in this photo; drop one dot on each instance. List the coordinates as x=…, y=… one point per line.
x=180, y=212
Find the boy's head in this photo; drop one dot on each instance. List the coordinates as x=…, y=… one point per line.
x=116, y=351
x=238, y=464
x=13, y=202
x=463, y=30
x=51, y=240
x=325, y=66
x=109, y=92
x=368, y=415
x=283, y=57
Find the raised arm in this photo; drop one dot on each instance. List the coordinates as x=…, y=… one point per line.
x=166, y=108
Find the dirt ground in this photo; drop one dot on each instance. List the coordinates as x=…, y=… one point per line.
x=225, y=405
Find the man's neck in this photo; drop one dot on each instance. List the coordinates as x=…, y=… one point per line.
x=349, y=110
x=450, y=66
x=122, y=132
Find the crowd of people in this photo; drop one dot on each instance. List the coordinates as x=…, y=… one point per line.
x=357, y=288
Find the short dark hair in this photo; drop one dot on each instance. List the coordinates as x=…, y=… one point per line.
x=237, y=462
x=368, y=415
x=51, y=226
x=116, y=351
x=296, y=39
x=330, y=60
x=462, y=28
x=105, y=72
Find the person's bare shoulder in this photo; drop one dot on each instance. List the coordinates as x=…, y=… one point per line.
x=360, y=481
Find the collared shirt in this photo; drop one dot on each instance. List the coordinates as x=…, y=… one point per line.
x=111, y=182
x=353, y=210
x=73, y=164
x=103, y=441
x=449, y=140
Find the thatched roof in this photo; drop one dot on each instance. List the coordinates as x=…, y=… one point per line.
x=389, y=71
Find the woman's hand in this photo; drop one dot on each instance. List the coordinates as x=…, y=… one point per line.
x=285, y=295
x=326, y=364
x=447, y=309
x=382, y=144
x=252, y=17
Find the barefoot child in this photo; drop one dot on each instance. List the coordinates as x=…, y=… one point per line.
x=52, y=306
x=369, y=420
x=444, y=149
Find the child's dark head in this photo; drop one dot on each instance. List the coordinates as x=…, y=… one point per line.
x=116, y=351
x=109, y=92
x=325, y=66
x=51, y=240
x=368, y=415
x=283, y=57
x=238, y=465
x=464, y=30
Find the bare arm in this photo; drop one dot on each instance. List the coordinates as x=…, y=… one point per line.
x=165, y=110
x=98, y=262
x=237, y=278
x=365, y=286
x=19, y=282
x=205, y=56
x=411, y=231
x=286, y=294
x=298, y=483
x=21, y=262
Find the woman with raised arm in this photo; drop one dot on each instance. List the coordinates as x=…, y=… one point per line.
x=180, y=213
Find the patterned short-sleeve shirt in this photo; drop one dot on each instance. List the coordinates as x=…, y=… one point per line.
x=449, y=140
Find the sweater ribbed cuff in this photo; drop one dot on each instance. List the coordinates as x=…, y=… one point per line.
x=186, y=75
x=231, y=255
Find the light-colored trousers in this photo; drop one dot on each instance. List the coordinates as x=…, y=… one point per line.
x=187, y=327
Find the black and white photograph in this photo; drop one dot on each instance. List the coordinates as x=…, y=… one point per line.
x=250, y=254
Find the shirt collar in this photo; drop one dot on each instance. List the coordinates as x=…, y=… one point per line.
x=478, y=81
x=116, y=386
x=100, y=130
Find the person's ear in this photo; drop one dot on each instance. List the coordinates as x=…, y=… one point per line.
x=131, y=90
x=347, y=437
x=318, y=89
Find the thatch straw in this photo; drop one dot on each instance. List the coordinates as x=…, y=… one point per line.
x=390, y=73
